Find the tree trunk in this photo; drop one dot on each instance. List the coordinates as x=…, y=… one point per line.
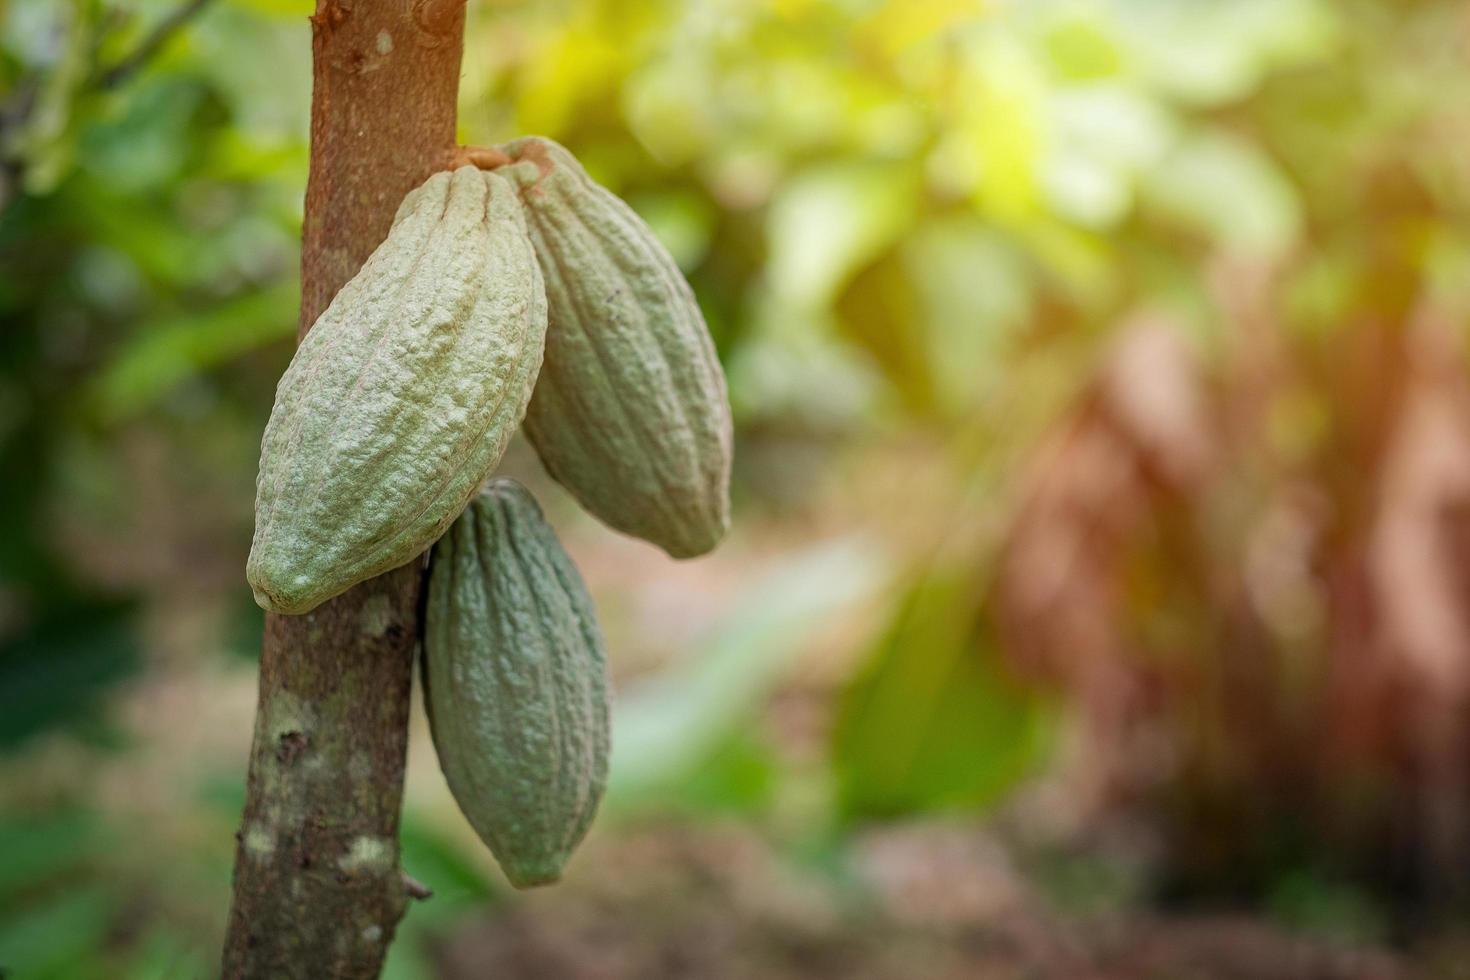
x=318, y=890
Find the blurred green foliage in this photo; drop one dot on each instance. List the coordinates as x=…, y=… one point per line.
x=947, y=729
x=909, y=222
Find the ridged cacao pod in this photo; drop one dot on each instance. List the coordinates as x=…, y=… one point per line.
x=630, y=413
x=402, y=396
x=515, y=681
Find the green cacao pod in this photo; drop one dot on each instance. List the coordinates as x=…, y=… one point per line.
x=515, y=681
x=630, y=413
x=402, y=396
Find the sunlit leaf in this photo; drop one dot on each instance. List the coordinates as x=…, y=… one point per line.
x=668, y=109
x=46, y=144
x=280, y=8
x=1208, y=53
x=899, y=24
x=975, y=293
x=1230, y=191
x=830, y=220
x=1001, y=115
x=1117, y=124
x=1082, y=43
x=575, y=63
x=1103, y=137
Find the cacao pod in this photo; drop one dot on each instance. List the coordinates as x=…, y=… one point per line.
x=515, y=681
x=402, y=396
x=630, y=413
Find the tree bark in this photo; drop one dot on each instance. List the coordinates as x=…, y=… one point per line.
x=318, y=890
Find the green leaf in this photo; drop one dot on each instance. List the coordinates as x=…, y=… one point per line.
x=439, y=862
x=53, y=938
x=55, y=670
x=167, y=955
x=937, y=313
x=666, y=729
x=738, y=775
x=876, y=312
x=460, y=888
x=31, y=852
x=934, y=721
x=975, y=293
x=1322, y=906
x=173, y=350
x=47, y=143
x=407, y=957
x=684, y=223
x=1081, y=43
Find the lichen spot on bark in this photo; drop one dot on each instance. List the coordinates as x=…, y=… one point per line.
x=259, y=843
x=289, y=724
x=287, y=716
x=376, y=617
x=360, y=767
x=369, y=854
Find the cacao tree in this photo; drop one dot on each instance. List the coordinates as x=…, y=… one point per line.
x=416, y=364
x=318, y=889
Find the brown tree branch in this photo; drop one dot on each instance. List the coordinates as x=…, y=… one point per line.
x=17, y=108
x=417, y=889
x=150, y=45
x=318, y=888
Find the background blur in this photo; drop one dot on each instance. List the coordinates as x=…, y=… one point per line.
x=1098, y=602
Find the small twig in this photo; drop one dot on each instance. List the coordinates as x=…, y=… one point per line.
x=150, y=46
x=15, y=111
x=415, y=888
